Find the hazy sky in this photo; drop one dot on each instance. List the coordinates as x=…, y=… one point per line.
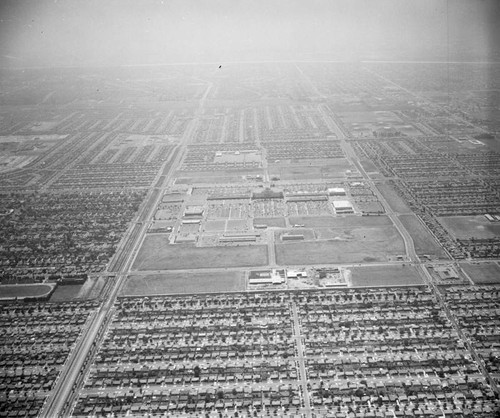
x=116, y=32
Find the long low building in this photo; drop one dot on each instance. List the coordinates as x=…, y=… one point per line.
x=342, y=206
x=307, y=198
x=265, y=280
x=336, y=191
x=266, y=277
x=191, y=211
x=292, y=237
x=295, y=274
x=240, y=238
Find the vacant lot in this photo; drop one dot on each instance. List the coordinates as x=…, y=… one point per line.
x=270, y=222
x=66, y=293
x=385, y=276
x=24, y=290
x=310, y=169
x=354, y=245
x=396, y=203
x=170, y=283
x=423, y=240
x=217, y=177
x=165, y=214
x=157, y=254
x=370, y=207
x=362, y=124
x=237, y=225
x=482, y=273
x=295, y=172
x=466, y=227
x=368, y=166
x=340, y=221
x=162, y=224
x=188, y=229
x=215, y=226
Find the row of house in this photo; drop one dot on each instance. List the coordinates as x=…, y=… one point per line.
x=62, y=234
x=36, y=339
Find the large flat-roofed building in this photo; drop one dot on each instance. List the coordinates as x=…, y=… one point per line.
x=194, y=211
x=239, y=237
x=190, y=221
x=342, y=206
x=273, y=276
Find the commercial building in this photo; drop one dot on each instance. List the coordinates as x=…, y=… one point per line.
x=242, y=237
x=191, y=221
x=342, y=206
x=296, y=274
x=193, y=211
x=273, y=276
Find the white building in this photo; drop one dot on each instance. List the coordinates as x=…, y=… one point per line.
x=342, y=206
x=296, y=274
x=336, y=191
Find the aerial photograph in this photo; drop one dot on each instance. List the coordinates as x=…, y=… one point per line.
x=250, y=208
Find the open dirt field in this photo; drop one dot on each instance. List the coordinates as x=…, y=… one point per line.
x=237, y=225
x=362, y=124
x=66, y=293
x=353, y=245
x=168, y=283
x=368, y=166
x=218, y=177
x=340, y=221
x=370, y=207
x=310, y=169
x=213, y=179
x=157, y=254
x=467, y=227
x=422, y=238
x=396, y=203
x=482, y=273
x=218, y=226
x=385, y=276
x=295, y=172
x=24, y=290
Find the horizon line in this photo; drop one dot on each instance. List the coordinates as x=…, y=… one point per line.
x=165, y=64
